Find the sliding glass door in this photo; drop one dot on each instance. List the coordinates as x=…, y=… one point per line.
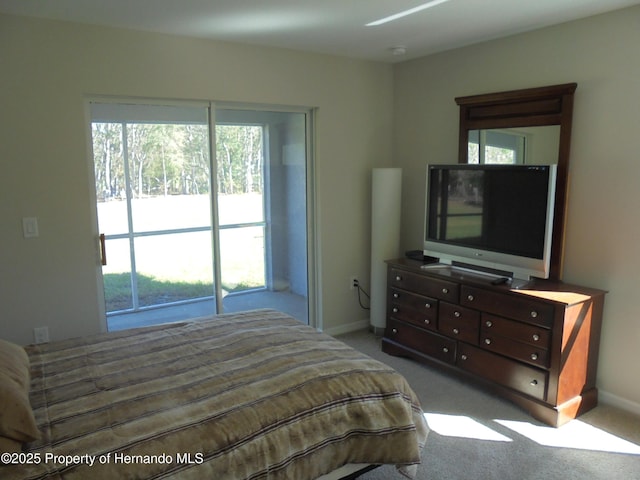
x=185, y=234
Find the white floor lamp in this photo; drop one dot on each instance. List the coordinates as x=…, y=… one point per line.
x=386, y=193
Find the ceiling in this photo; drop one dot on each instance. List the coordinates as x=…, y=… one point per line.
x=334, y=27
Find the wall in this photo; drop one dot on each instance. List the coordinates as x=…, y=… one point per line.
x=48, y=68
x=603, y=226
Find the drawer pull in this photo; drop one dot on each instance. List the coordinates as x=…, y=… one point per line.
x=445, y=350
x=398, y=278
x=463, y=357
x=470, y=298
x=456, y=314
x=456, y=331
x=427, y=305
x=394, y=330
x=395, y=309
x=536, y=337
x=534, y=356
x=533, y=382
x=488, y=323
x=427, y=321
x=395, y=295
x=487, y=341
x=445, y=290
x=534, y=314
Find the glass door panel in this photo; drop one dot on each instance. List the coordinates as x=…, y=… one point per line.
x=261, y=181
x=152, y=172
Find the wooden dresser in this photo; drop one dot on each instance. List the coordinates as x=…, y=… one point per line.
x=536, y=345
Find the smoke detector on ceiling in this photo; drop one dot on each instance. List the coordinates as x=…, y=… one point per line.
x=399, y=50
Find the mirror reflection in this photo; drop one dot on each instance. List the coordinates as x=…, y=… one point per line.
x=522, y=145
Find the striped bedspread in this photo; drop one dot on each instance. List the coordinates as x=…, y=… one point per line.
x=255, y=395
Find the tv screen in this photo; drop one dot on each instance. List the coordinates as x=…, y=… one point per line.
x=496, y=216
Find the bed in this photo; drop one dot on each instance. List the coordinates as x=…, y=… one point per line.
x=252, y=395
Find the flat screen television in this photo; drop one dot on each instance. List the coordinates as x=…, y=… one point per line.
x=494, y=218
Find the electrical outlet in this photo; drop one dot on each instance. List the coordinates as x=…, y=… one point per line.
x=353, y=282
x=41, y=334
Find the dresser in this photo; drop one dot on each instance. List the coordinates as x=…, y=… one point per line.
x=536, y=345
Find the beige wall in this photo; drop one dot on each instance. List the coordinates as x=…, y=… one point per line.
x=46, y=71
x=603, y=226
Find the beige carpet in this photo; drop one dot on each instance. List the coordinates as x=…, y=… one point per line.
x=478, y=436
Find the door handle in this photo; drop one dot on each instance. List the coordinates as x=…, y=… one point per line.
x=103, y=250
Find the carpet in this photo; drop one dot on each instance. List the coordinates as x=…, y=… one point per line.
x=478, y=436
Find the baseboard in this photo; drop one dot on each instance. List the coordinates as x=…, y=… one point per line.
x=347, y=328
x=619, y=402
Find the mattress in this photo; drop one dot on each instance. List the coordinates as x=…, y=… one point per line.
x=253, y=395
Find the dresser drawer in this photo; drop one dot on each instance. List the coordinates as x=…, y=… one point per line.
x=521, y=332
x=517, y=307
x=459, y=322
x=512, y=374
x=423, y=341
x=519, y=351
x=440, y=289
x=414, y=308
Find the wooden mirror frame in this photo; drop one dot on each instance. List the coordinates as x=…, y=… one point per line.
x=552, y=105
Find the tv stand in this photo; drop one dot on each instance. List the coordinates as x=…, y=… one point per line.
x=536, y=345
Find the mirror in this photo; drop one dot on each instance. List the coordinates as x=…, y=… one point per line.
x=526, y=145
x=530, y=126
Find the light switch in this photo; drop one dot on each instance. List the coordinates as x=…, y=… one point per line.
x=30, y=227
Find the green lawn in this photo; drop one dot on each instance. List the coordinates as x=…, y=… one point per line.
x=151, y=291
x=154, y=291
